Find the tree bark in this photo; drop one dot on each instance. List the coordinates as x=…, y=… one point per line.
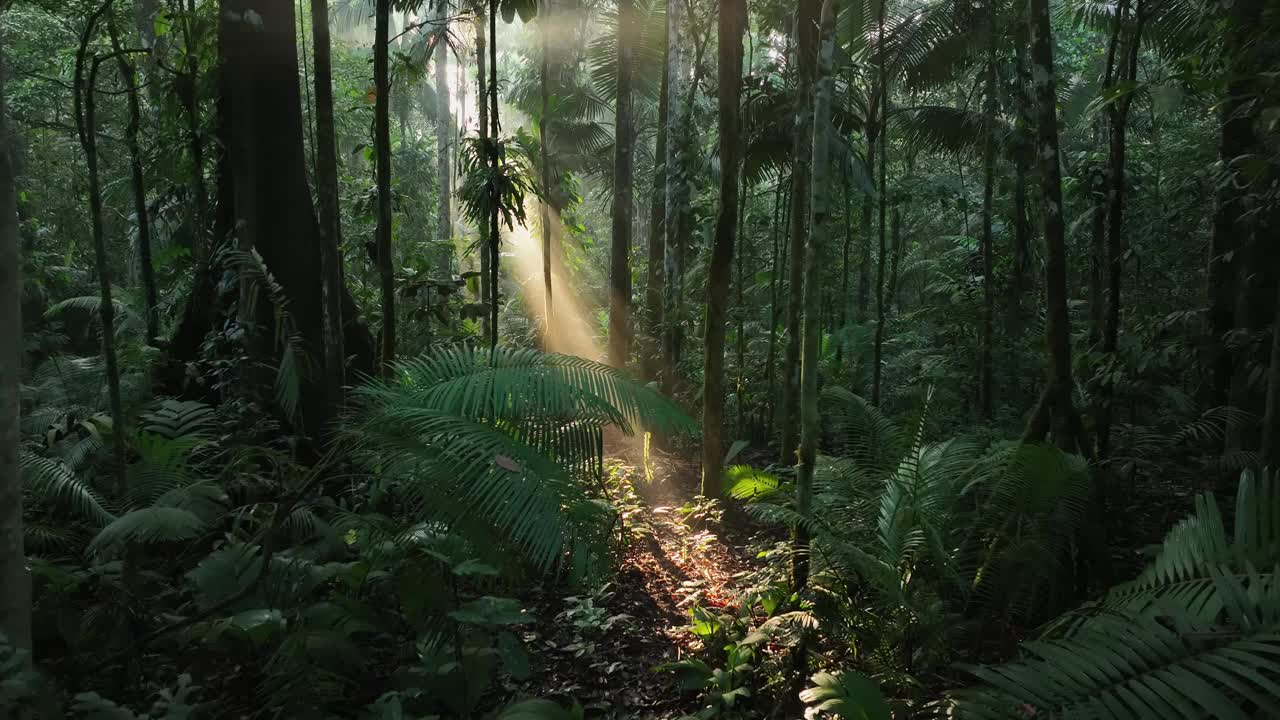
x=985, y=370
x=655, y=282
x=779, y=239
x=382, y=151
x=801, y=156
x=482, y=100
x=675, y=182
x=882, y=200
x=623, y=200
x=1058, y=322
x=444, y=130
x=87, y=125
x=331, y=275
x=202, y=246
x=495, y=137
x=544, y=135
x=151, y=313
x=730, y=25
x=15, y=599
x=821, y=231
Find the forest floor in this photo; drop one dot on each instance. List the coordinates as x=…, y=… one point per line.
x=671, y=563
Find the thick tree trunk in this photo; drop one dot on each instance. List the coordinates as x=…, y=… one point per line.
x=675, y=182
x=730, y=25
x=151, y=313
x=264, y=193
x=821, y=232
x=382, y=151
x=801, y=156
x=15, y=598
x=623, y=200
x=655, y=281
x=331, y=279
x=1058, y=322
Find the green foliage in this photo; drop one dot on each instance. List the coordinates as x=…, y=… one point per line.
x=847, y=695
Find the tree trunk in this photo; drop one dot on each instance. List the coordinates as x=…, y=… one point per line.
x=801, y=156
x=675, y=182
x=821, y=231
x=331, y=276
x=86, y=121
x=263, y=187
x=137, y=181
x=544, y=135
x=15, y=599
x=864, y=255
x=382, y=151
x=623, y=142
x=655, y=291
x=1118, y=116
x=1022, y=155
x=842, y=314
x=1057, y=321
x=482, y=100
x=495, y=137
x=985, y=370
x=444, y=131
x=188, y=86
x=730, y=25
x=882, y=197
x=779, y=239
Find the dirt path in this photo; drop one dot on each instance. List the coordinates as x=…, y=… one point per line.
x=671, y=564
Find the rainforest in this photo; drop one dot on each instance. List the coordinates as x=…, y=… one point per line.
x=639, y=359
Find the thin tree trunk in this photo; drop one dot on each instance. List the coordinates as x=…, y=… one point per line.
x=895, y=259
x=327, y=202
x=382, y=149
x=189, y=95
x=882, y=196
x=444, y=131
x=864, y=256
x=985, y=370
x=740, y=336
x=1119, y=118
x=843, y=303
x=1022, y=155
x=544, y=135
x=821, y=231
x=495, y=136
x=655, y=282
x=730, y=25
x=779, y=238
x=675, y=182
x=482, y=102
x=801, y=152
x=1271, y=421
x=86, y=124
x=15, y=599
x=137, y=180
x=1057, y=321
x=623, y=142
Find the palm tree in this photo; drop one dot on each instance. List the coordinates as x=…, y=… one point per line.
x=730, y=26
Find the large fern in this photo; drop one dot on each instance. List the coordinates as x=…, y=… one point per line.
x=503, y=445
x=1197, y=635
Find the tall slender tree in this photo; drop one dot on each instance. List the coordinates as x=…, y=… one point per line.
x=382, y=152
x=544, y=134
x=15, y=599
x=675, y=182
x=495, y=140
x=331, y=275
x=986, y=372
x=729, y=29
x=806, y=49
x=1056, y=406
x=150, y=296
x=623, y=200
x=656, y=277
x=821, y=232
x=444, y=127
x=481, y=26
x=882, y=197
